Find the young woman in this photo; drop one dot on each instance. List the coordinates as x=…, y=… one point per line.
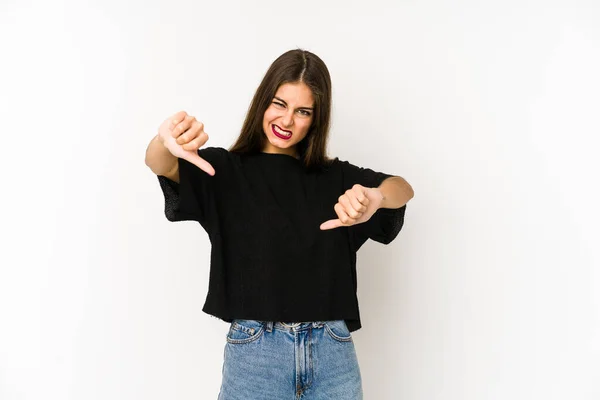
x=285, y=223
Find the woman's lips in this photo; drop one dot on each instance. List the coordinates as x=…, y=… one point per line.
x=279, y=135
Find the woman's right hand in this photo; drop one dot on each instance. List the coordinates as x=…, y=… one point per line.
x=183, y=135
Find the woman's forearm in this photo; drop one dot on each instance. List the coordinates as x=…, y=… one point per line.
x=158, y=158
x=396, y=192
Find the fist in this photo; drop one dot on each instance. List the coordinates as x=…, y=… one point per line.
x=355, y=206
x=183, y=135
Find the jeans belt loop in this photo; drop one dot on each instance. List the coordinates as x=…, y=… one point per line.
x=269, y=326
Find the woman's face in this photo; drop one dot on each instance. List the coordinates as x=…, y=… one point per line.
x=288, y=118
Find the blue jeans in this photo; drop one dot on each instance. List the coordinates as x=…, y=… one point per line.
x=266, y=360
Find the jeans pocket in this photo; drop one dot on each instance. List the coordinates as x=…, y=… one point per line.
x=338, y=330
x=244, y=331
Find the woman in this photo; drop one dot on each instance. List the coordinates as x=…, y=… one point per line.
x=285, y=222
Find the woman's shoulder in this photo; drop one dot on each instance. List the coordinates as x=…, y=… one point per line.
x=348, y=166
x=214, y=151
x=340, y=165
x=216, y=154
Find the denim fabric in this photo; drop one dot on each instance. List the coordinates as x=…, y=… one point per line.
x=265, y=360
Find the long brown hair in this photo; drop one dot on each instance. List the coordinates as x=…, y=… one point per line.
x=292, y=66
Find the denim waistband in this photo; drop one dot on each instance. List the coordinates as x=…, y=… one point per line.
x=292, y=326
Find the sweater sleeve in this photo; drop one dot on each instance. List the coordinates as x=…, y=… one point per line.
x=192, y=199
x=386, y=223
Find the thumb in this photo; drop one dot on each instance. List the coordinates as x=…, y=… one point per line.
x=199, y=162
x=188, y=155
x=331, y=224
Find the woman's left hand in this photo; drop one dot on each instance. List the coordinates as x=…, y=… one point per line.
x=355, y=206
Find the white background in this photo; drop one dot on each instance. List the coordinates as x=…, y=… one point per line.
x=488, y=108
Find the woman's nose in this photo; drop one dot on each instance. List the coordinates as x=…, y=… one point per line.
x=288, y=119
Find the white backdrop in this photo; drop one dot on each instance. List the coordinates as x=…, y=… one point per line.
x=488, y=108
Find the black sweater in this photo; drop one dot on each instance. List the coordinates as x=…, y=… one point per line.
x=269, y=260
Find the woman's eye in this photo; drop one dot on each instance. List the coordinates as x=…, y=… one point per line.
x=303, y=112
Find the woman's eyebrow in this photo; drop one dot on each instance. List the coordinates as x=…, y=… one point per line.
x=299, y=108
